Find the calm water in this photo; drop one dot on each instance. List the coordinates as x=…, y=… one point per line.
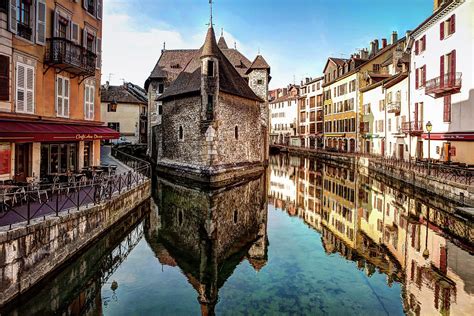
x=305, y=238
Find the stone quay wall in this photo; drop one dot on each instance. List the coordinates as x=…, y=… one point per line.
x=30, y=253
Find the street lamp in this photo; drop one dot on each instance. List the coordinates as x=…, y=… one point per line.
x=429, y=128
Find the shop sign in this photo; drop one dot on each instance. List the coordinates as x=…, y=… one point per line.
x=5, y=158
x=88, y=136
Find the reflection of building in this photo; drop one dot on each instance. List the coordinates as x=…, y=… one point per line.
x=124, y=109
x=282, y=184
x=207, y=233
x=383, y=228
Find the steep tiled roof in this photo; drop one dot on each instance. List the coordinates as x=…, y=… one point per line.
x=259, y=63
x=230, y=80
x=127, y=93
x=222, y=43
x=171, y=63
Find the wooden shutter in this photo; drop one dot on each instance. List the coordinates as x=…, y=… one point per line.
x=41, y=22
x=452, y=24
x=423, y=75
x=30, y=89
x=441, y=71
x=20, y=87
x=99, y=9
x=424, y=42
x=417, y=47
x=453, y=67
x=59, y=96
x=4, y=78
x=75, y=32
x=447, y=109
x=441, y=31
x=13, y=24
x=415, y=118
x=417, y=77
x=99, y=53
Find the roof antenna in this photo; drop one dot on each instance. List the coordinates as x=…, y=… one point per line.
x=164, y=46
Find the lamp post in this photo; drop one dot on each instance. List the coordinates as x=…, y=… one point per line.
x=429, y=128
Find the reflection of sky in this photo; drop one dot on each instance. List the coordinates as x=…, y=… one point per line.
x=298, y=278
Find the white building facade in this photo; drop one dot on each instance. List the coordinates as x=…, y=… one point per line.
x=283, y=117
x=442, y=83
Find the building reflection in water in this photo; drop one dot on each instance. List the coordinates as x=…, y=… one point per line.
x=208, y=232
x=383, y=227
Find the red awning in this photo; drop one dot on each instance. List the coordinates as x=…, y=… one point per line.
x=53, y=132
x=461, y=136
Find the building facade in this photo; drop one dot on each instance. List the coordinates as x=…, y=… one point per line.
x=50, y=120
x=441, y=82
x=310, y=113
x=284, y=117
x=124, y=108
x=214, y=121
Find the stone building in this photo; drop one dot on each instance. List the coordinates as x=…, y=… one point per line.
x=208, y=111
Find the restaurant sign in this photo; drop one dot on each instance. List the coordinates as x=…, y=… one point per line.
x=89, y=137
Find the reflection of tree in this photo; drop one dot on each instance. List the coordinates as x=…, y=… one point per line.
x=208, y=232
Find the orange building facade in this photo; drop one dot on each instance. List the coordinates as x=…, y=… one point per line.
x=50, y=62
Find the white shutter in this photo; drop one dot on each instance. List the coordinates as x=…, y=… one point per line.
x=75, y=32
x=20, y=87
x=85, y=4
x=59, y=96
x=99, y=53
x=99, y=9
x=92, y=100
x=30, y=89
x=84, y=37
x=66, y=97
x=12, y=18
x=41, y=22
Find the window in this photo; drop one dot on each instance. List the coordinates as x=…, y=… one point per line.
x=112, y=107
x=259, y=81
x=236, y=132
x=24, y=18
x=160, y=109
x=4, y=78
x=210, y=68
x=420, y=77
x=25, y=87
x=235, y=216
x=161, y=88
x=448, y=27
x=89, y=99
x=210, y=107
x=62, y=96
x=114, y=125
x=181, y=133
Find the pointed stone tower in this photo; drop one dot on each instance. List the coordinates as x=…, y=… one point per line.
x=259, y=78
x=222, y=43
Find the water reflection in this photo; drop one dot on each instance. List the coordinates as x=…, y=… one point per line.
x=207, y=233
x=412, y=239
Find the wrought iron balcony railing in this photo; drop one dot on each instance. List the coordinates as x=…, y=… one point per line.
x=74, y=58
x=413, y=127
x=449, y=83
x=393, y=106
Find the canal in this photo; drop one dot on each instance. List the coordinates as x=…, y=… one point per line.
x=306, y=237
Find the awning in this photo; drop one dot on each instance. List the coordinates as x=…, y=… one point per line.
x=53, y=132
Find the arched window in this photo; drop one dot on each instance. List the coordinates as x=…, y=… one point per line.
x=181, y=133
x=236, y=132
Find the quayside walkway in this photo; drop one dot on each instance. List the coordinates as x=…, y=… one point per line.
x=24, y=204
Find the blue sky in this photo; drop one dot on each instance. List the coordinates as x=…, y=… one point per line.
x=295, y=37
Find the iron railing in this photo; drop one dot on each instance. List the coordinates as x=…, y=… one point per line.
x=413, y=127
x=450, y=80
x=41, y=200
x=61, y=51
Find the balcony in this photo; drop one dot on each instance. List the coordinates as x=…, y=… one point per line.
x=393, y=106
x=449, y=83
x=68, y=56
x=413, y=127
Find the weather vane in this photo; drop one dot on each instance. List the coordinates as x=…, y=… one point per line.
x=210, y=20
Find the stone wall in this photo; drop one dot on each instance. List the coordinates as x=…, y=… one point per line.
x=28, y=254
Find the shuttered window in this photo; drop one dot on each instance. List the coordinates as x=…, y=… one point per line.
x=89, y=98
x=41, y=22
x=12, y=23
x=4, y=78
x=62, y=96
x=75, y=32
x=99, y=53
x=25, y=82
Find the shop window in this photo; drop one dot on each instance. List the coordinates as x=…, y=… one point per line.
x=87, y=154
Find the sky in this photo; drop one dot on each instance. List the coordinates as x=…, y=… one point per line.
x=295, y=36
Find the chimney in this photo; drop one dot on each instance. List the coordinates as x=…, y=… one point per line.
x=307, y=80
x=106, y=86
x=376, y=45
x=394, y=37
x=384, y=42
x=364, y=53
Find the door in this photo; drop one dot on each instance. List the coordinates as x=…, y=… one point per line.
x=419, y=149
x=382, y=148
x=447, y=151
x=22, y=162
x=401, y=150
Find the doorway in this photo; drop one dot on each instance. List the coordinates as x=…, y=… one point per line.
x=22, y=162
x=401, y=151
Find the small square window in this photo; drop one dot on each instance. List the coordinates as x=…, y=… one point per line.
x=259, y=81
